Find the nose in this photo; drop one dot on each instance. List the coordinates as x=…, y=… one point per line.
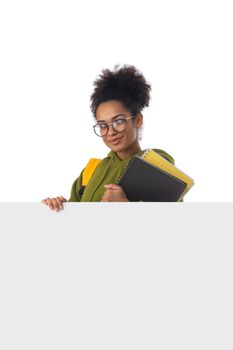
x=111, y=131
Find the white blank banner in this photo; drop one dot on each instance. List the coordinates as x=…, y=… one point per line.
x=116, y=276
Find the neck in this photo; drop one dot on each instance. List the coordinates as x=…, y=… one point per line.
x=130, y=151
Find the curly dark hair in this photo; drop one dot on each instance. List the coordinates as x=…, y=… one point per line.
x=126, y=85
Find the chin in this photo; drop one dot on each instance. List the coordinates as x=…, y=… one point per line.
x=116, y=148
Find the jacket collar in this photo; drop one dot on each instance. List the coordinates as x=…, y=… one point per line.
x=113, y=155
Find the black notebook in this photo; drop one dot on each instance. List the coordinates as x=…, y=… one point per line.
x=145, y=182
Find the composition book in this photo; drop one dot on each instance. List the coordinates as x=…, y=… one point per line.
x=151, y=178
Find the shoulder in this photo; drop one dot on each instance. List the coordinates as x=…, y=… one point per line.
x=165, y=155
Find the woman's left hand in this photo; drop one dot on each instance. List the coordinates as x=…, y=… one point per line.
x=114, y=193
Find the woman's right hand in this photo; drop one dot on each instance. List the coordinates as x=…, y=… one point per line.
x=54, y=203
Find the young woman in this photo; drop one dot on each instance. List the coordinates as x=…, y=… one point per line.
x=117, y=102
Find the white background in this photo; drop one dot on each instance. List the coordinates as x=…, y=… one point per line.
x=52, y=51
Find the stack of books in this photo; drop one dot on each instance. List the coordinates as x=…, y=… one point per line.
x=151, y=178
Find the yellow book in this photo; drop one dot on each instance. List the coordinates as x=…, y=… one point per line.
x=155, y=159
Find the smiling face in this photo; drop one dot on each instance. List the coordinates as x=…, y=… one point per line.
x=124, y=143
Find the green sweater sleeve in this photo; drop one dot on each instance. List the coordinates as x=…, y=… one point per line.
x=165, y=155
x=77, y=185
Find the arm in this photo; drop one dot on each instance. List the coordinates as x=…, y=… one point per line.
x=76, y=190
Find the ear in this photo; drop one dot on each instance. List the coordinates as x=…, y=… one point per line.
x=138, y=120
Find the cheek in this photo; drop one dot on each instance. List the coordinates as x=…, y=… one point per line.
x=105, y=140
x=131, y=134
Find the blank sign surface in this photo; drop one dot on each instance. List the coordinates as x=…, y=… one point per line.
x=116, y=276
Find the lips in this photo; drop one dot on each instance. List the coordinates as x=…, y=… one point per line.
x=115, y=141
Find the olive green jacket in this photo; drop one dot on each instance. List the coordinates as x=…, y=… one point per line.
x=108, y=171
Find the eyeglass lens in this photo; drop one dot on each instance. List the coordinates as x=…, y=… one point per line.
x=118, y=125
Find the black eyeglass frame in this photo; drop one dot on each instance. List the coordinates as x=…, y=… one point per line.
x=114, y=121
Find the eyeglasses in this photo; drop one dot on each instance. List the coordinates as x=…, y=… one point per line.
x=118, y=125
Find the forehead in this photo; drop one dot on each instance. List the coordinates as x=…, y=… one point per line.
x=107, y=111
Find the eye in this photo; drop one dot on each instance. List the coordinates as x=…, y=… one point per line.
x=102, y=126
x=119, y=121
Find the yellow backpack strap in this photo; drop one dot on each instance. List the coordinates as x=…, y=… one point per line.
x=89, y=170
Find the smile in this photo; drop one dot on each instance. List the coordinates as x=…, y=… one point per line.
x=116, y=141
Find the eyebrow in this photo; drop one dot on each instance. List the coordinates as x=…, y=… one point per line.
x=104, y=121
